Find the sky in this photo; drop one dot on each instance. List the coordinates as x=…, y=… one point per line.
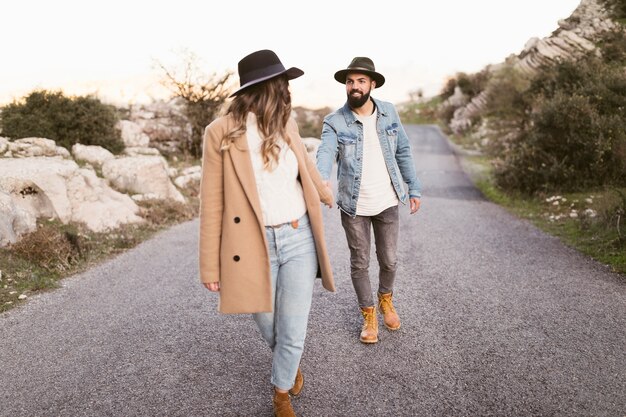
x=110, y=49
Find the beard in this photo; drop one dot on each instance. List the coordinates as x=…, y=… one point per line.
x=357, y=101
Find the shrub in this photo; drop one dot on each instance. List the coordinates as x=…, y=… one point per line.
x=470, y=84
x=575, y=136
x=49, y=248
x=66, y=120
x=507, y=108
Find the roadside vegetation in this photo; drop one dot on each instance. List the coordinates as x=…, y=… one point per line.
x=550, y=147
x=39, y=260
x=54, y=251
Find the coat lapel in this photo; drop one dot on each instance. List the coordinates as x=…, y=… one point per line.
x=240, y=155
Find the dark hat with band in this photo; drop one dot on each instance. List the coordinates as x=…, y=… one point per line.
x=260, y=66
x=362, y=65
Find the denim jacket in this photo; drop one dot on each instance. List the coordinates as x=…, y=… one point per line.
x=342, y=141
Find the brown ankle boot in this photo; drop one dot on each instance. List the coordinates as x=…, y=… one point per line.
x=369, y=331
x=282, y=405
x=390, y=317
x=298, y=384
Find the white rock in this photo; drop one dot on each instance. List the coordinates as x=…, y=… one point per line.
x=4, y=145
x=94, y=155
x=186, y=180
x=132, y=134
x=142, y=175
x=141, y=150
x=14, y=221
x=57, y=188
x=27, y=147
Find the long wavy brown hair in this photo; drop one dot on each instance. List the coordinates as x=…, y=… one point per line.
x=270, y=101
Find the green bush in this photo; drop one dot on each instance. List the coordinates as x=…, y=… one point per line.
x=575, y=136
x=66, y=120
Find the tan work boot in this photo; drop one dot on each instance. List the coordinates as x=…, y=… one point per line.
x=390, y=317
x=298, y=384
x=369, y=331
x=282, y=405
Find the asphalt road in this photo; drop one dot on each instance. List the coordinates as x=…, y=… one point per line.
x=498, y=319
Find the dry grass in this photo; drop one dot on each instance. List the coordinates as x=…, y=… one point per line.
x=54, y=251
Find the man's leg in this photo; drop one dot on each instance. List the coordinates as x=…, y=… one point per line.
x=386, y=227
x=358, y=235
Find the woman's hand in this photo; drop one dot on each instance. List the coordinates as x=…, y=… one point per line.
x=212, y=286
x=330, y=192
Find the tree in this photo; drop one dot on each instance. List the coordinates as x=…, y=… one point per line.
x=202, y=95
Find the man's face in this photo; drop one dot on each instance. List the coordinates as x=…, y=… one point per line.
x=358, y=88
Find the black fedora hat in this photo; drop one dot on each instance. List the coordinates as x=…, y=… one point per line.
x=260, y=66
x=362, y=65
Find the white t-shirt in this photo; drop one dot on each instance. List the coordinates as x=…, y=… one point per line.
x=376, y=192
x=280, y=192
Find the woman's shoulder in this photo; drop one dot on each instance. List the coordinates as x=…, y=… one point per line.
x=221, y=123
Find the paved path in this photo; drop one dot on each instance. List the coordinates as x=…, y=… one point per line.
x=499, y=319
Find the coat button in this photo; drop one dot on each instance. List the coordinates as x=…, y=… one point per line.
x=237, y=219
x=236, y=258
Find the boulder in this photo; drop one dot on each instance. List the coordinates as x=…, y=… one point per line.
x=132, y=134
x=28, y=147
x=142, y=175
x=94, y=155
x=14, y=221
x=59, y=188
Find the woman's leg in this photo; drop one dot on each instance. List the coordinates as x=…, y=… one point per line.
x=297, y=266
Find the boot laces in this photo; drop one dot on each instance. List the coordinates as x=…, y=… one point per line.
x=386, y=305
x=369, y=318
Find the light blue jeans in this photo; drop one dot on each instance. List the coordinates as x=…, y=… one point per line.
x=293, y=262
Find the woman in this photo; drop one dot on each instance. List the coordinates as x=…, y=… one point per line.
x=261, y=231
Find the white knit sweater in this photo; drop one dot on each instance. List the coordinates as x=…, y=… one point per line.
x=280, y=192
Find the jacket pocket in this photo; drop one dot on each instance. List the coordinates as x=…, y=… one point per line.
x=347, y=145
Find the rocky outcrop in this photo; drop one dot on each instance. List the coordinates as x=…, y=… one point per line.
x=147, y=175
x=574, y=37
x=14, y=220
x=164, y=123
x=132, y=134
x=40, y=180
x=189, y=177
x=94, y=155
x=59, y=188
x=28, y=147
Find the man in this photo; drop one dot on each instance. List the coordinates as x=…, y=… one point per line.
x=374, y=158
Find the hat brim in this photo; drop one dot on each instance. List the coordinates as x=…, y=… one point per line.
x=292, y=73
x=341, y=75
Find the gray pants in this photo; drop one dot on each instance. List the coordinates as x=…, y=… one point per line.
x=358, y=235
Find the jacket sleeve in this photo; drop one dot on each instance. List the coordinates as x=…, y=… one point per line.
x=327, y=151
x=211, y=205
x=404, y=158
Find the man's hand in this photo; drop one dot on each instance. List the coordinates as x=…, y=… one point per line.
x=415, y=204
x=212, y=286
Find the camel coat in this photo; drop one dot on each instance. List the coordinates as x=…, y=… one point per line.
x=233, y=248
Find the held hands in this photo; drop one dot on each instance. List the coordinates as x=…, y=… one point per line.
x=415, y=204
x=212, y=286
